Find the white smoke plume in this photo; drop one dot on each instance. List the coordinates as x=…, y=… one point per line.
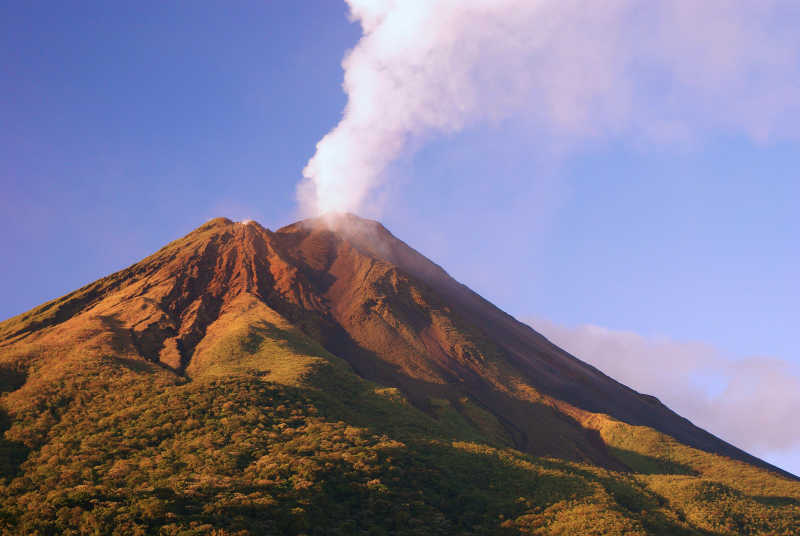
x=661, y=71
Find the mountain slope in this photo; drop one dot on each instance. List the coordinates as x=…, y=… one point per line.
x=313, y=378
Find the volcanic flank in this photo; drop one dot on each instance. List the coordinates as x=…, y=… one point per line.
x=308, y=379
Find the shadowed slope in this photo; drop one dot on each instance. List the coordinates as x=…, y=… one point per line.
x=472, y=342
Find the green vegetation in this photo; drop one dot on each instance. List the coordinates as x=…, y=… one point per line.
x=275, y=435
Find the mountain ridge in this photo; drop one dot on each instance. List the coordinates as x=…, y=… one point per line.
x=340, y=313
x=194, y=302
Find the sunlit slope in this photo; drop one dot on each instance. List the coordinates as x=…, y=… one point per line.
x=317, y=380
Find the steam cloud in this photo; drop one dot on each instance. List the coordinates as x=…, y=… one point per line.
x=570, y=69
x=749, y=402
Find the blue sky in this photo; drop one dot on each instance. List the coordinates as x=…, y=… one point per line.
x=127, y=126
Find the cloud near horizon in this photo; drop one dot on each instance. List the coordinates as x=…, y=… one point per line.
x=659, y=72
x=751, y=402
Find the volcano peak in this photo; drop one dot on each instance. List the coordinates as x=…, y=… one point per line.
x=337, y=309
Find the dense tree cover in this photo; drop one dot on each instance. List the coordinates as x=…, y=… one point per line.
x=120, y=449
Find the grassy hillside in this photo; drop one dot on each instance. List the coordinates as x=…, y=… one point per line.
x=276, y=435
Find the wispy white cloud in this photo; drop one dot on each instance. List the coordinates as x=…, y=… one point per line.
x=657, y=71
x=752, y=402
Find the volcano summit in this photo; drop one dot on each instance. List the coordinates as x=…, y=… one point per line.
x=326, y=378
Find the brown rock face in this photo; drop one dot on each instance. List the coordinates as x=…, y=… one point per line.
x=397, y=318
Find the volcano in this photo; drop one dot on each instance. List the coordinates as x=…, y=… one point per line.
x=326, y=378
